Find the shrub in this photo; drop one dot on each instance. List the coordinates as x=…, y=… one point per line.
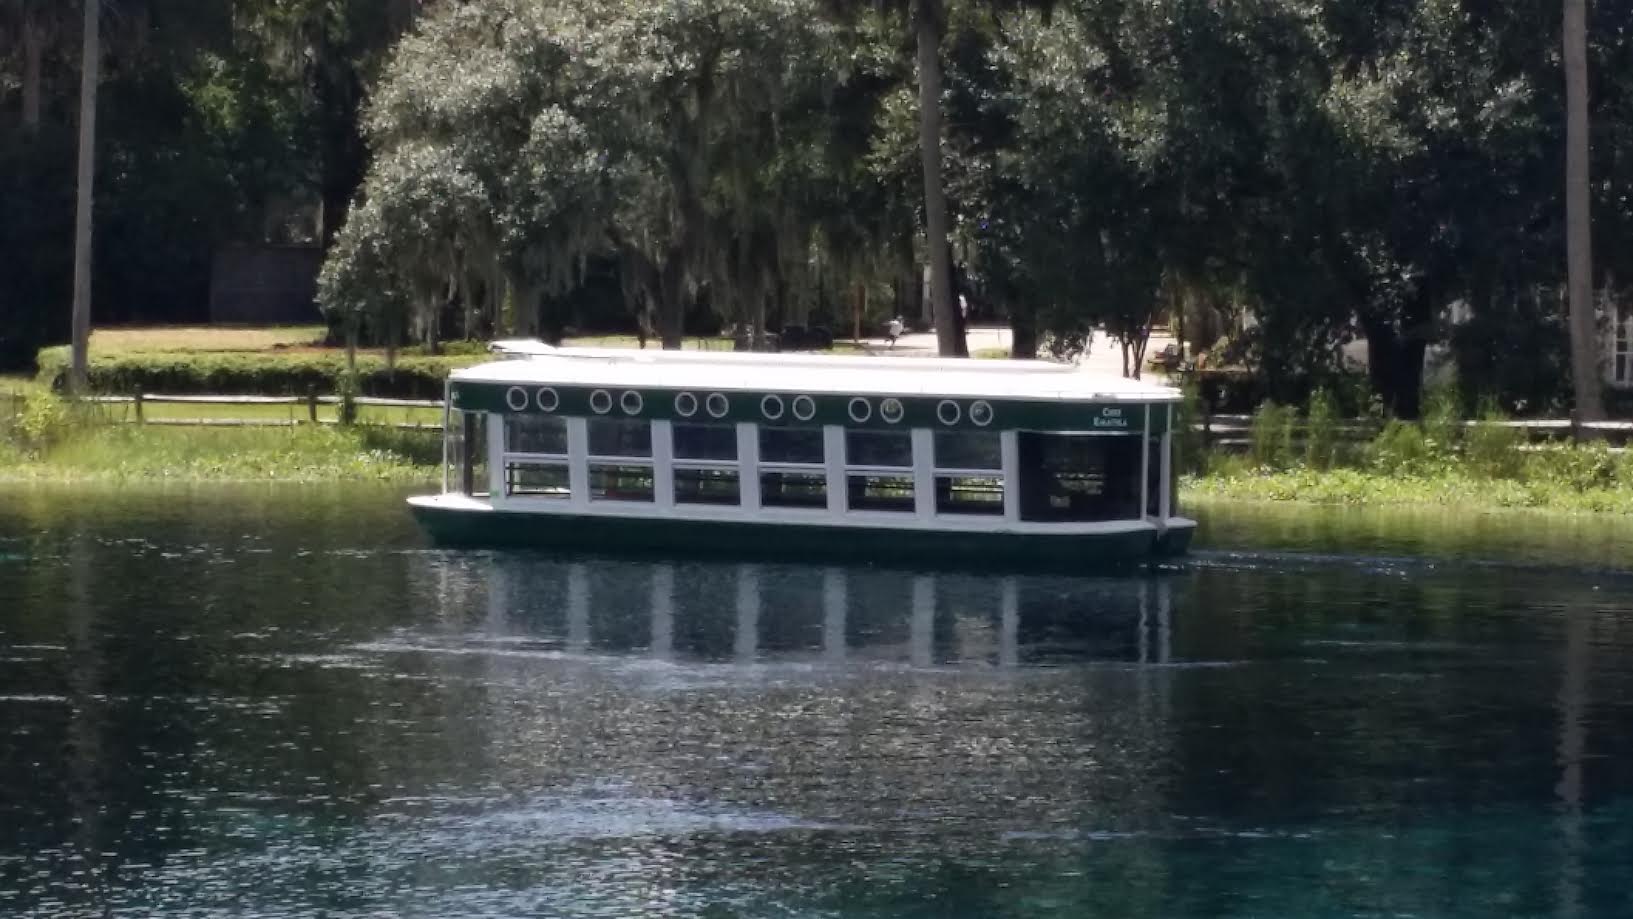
x=1578, y=467
x=1491, y=449
x=256, y=373
x=1443, y=420
x=1400, y=448
x=1272, y=436
x=1189, y=448
x=44, y=420
x=1321, y=431
x=346, y=387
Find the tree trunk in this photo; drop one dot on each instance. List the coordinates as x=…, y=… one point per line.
x=89, y=70
x=861, y=305
x=1578, y=232
x=337, y=91
x=672, y=302
x=1395, y=367
x=1023, y=332
x=927, y=23
x=33, y=70
x=402, y=15
x=1134, y=344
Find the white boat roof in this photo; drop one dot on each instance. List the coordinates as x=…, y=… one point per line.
x=724, y=371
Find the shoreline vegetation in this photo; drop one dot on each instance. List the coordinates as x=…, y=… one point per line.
x=101, y=452
x=1315, y=457
x=1403, y=466
x=1307, y=455
x=45, y=438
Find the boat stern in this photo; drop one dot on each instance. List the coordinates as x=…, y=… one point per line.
x=1174, y=538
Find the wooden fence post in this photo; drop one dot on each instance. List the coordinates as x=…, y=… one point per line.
x=312, y=403
x=138, y=403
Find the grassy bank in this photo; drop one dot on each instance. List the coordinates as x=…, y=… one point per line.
x=1451, y=489
x=95, y=451
x=290, y=361
x=1438, y=463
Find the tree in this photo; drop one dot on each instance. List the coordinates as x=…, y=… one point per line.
x=90, y=63
x=1579, y=241
x=674, y=141
x=928, y=24
x=33, y=23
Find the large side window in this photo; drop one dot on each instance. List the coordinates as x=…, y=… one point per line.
x=466, y=454
x=879, y=471
x=969, y=473
x=1153, y=477
x=1623, y=357
x=536, y=457
x=705, y=464
x=792, y=468
x=620, y=459
x=1079, y=476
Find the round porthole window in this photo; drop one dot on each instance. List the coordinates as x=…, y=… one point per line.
x=804, y=408
x=948, y=412
x=631, y=402
x=717, y=405
x=860, y=410
x=771, y=407
x=686, y=405
x=516, y=398
x=981, y=413
x=891, y=410
x=601, y=402
x=546, y=399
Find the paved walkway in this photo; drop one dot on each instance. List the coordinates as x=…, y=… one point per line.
x=1105, y=354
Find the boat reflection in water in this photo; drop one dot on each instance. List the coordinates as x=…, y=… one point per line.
x=790, y=614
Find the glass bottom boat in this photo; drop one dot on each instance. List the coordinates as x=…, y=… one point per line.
x=895, y=460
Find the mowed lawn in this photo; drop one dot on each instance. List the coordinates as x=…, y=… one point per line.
x=367, y=414
x=250, y=339
x=206, y=338
x=223, y=339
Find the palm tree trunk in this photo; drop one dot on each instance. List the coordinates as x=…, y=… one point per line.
x=1578, y=230
x=927, y=24
x=89, y=67
x=33, y=69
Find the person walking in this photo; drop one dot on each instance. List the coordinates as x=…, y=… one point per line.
x=893, y=331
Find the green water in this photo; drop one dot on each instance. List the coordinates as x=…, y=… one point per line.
x=280, y=702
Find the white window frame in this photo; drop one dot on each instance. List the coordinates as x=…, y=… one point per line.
x=838, y=449
x=498, y=445
x=677, y=463
x=648, y=462
x=820, y=470
x=448, y=431
x=1165, y=504
x=1008, y=460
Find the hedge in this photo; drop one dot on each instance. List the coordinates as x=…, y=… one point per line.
x=248, y=373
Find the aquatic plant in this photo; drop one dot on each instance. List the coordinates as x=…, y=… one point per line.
x=308, y=453
x=1443, y=420
x=1321, y=431
x=1400, y=449
x=1492, y=448
x=1271, y=436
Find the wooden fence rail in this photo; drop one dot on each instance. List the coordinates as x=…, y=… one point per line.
x=1236, y=431
x=140, y=401
x=1225, y=431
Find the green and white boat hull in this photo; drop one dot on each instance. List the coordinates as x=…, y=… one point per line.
x=456, y=520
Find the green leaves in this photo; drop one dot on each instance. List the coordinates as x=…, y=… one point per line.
x=525, y=138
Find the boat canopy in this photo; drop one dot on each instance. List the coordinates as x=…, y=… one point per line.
x=535, y=363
